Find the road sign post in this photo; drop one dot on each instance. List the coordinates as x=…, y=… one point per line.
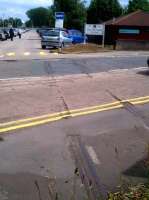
x=59, y=19
x=95, y=30
x=84, y=34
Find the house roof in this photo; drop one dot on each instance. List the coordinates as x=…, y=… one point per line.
x=137, y=18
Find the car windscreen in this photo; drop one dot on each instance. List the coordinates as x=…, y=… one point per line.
x=52, y=33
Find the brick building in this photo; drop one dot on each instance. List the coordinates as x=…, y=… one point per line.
x=129, y=32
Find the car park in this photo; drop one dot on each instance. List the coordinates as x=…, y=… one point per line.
x=56, y=38
x=15, y=32
x=2, y=35
x=76, y=36
x=6, y=32
x=42, y=31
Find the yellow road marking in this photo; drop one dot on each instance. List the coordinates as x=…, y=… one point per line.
x=31, y=124
x=11, y=54
x=27, y=53
x=34, y=121
x=42, y=53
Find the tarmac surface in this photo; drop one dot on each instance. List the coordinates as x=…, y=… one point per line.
x=114, y=142
x=88, y=154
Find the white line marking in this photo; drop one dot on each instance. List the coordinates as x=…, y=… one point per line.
x=25, y=78
x=93, y=155
x=127, y=69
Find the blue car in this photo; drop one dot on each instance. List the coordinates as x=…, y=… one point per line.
x=76, y=36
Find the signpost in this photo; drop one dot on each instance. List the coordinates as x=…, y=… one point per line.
x=103, y=36
x=59, y=19
x=96, y=29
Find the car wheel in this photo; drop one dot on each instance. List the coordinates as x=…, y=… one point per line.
x=43, y=47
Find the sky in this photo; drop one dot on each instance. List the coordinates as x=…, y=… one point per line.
x=18, y=8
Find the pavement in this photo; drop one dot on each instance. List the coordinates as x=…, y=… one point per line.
x=31, y=97
x=63, y=130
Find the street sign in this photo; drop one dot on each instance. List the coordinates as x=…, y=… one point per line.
x=59, y=19
x=94, y=29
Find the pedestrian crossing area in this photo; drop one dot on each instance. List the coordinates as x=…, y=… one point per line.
x=26, y=54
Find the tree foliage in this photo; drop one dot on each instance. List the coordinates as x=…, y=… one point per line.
x=102, y=10
x=134, y=5
x=15, y=22
x=40, y=17
x=75, y=12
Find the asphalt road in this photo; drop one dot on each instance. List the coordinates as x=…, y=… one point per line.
x=24, y=58
x=114, y=141
x=103, y=147
x=61, y=67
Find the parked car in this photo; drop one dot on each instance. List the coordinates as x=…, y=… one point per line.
x=42, y=31
x=2, y=35
x=6, y=32
x=15, y=32
x=55, y=38
x=76, y=36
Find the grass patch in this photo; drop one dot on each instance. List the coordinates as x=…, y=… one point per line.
x=137, y=192
x=83, y=48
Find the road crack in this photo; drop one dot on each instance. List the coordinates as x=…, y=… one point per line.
x=50, y=71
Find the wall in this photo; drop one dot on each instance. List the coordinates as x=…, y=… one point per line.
x=132, y=45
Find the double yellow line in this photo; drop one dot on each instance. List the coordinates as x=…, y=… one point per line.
x=34, y=121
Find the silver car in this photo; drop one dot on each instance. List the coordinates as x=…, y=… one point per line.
x=56, y=39
x=2, y=35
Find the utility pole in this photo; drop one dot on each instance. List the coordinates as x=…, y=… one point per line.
x=103, y=36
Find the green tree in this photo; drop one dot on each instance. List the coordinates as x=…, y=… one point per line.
x=11, y=21
x=102, y=10
x=51, y=17
x=1, y=22
x=17, y=22
x=28, y=23
x=134, y=5
x=75, y=12
x=39, y=16
x=6, y=22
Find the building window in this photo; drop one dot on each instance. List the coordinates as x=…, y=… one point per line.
x=129, y=31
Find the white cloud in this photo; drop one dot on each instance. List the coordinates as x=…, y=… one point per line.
x=18, y=8
x=124, y=2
